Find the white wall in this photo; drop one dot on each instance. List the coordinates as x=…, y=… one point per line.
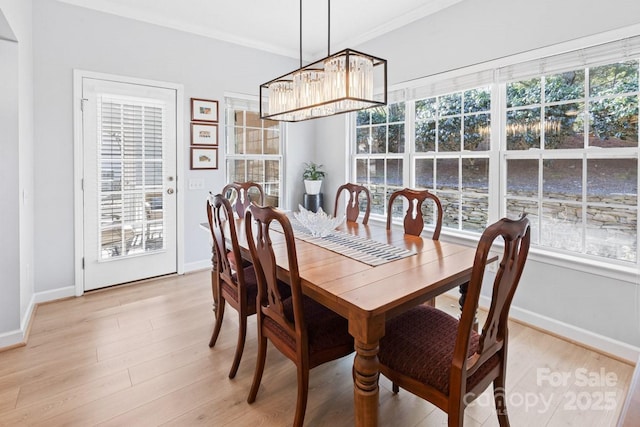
x=592, y=307
x=68, y=37
x=16, y=268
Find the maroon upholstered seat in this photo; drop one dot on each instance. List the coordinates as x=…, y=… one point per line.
x=443, y=360
x=305, y=331
x=352, y=208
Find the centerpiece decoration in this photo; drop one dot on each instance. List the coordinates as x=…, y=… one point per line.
x=318, y=223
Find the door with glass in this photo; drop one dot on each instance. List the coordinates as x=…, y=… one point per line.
x=129, y=177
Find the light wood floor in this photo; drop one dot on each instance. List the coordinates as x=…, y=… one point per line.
x=137, y=355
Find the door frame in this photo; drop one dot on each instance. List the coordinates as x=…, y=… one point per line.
x=78, y=170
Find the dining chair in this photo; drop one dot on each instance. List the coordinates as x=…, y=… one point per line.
x=413, y=220
x=442, y=359
x=353, y=204
x=238, y=288
x=242, y=195
x=303, y=330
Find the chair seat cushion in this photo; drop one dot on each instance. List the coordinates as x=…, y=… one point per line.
x=251, y=284
x=327, y=332
x=419, y=344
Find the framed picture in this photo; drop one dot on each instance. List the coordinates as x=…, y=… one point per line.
x=204, y=134
x=204, y=158
x=204, y=110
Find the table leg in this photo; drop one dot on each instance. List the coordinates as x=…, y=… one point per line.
x=214, y=277
x=367, y=333
x=463, y=296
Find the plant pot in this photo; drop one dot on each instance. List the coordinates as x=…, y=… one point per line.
x=312, y=187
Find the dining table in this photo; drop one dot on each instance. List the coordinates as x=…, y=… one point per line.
x=367, y=289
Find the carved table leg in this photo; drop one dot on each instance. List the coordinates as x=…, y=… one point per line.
x=365, y=370
x=463, y=296
x=367, y=332
x=214, y=277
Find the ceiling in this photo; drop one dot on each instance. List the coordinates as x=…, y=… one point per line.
x=274, y=25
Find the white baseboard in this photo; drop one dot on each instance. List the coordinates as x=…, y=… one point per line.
x=199, y=265
x=587, y=338
x=69, y=291
x=9, y=339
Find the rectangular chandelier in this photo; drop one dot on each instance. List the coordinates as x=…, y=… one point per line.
x=339, y=83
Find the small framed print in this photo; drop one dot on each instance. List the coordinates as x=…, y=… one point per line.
x=204, y=134
x=204, y=110
x=204, y=158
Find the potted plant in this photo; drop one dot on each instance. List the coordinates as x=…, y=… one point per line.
x=312, y=176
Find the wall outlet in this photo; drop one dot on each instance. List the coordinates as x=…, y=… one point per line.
x=196, y=184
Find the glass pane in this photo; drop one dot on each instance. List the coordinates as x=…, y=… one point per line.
x=523, y=129
x=612, y=181
x=271, y=124
x=611, y=232
x=238, y=116
x=447, y=174
x=379, y=141
x=450, y=104
x=451, y=207
x=362, y=140
x=562, y=179
x=238, y=143
x=271, y=141
x=253, y=119
x=396, y=112
x=477, y=132
x=526, y=92
x=515, y=208
x=255, y=170
x=475, y=175
x=362, y=118
x=614, y=122
x=522, y=177
x=425, y=136
x=564, y=126
x=564, y=86
x=378, y=199
x=110, y=176
x=362, y=176
x=449, y=134
x=376, y=171
x=614, y=78
x=477, y=100
x=272, y=183
x=426, y=109
x=562, y=226
x=396, y=138
x=153, y=174
x=236, y=170
x=424, y=173
x=394, y=173
x=475, y=212
x=254, y=141
x=378, y=115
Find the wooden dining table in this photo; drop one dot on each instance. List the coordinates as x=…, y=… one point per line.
x=368, y=295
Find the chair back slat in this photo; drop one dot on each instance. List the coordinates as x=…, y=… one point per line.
x=413, y=221
x=265, y=264
x=243, y=194
x=516, y=237
x=353, y=204
x=220, y=217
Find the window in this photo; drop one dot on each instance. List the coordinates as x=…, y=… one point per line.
x=452, y=142
x=571, y=158
x=556, y=138
x=253, y=148
x=380, y=152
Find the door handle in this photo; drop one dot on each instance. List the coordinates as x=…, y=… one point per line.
x=169, y=190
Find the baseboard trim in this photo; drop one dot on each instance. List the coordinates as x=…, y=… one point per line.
x=199, y=265
x=613, y=348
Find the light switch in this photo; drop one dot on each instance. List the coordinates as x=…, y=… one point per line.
x=196, y=184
